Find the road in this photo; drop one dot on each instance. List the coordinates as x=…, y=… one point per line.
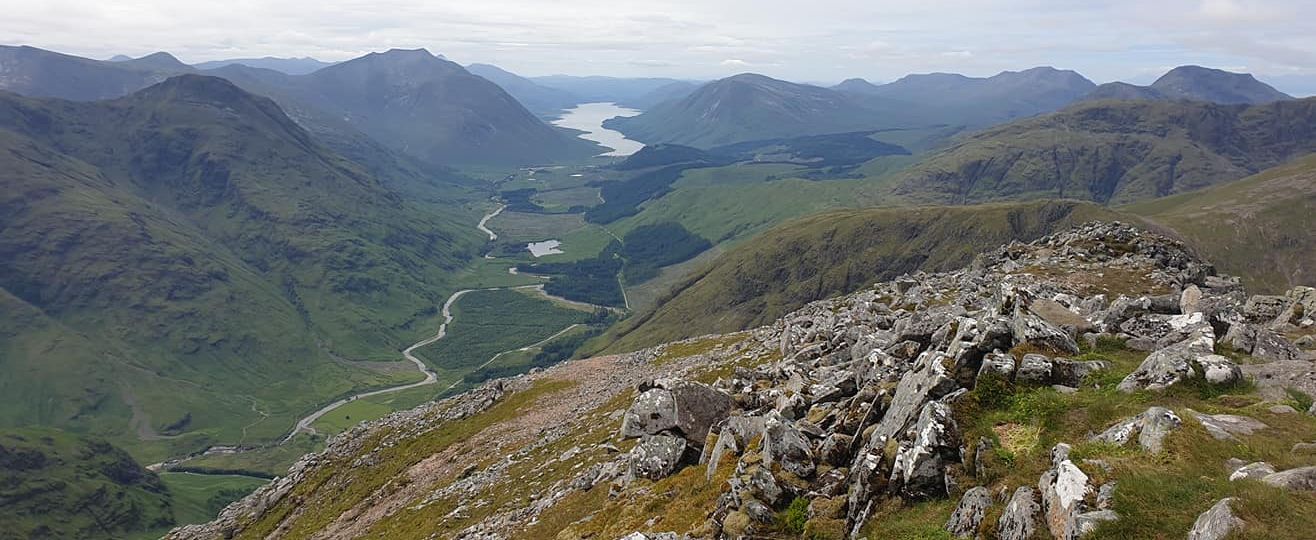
x=485, y=221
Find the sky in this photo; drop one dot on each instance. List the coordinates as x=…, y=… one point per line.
x=820, y=41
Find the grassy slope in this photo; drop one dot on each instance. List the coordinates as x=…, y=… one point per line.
x=58, y=485
x=198, y=498
x=834, y=253
x=125, y=221
x=1114, y=152
x=1259, y=227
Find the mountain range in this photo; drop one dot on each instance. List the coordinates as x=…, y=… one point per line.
x=1196, y=83
x=411, y=101
x=169, y=258
x=291, y=66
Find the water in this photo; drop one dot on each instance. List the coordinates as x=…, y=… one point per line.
x=547, y=247
x=589, y=117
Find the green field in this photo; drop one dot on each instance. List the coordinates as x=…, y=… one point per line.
x=198, y=498
x=519, y=227
x=563, y=199
x=486, y=323
x=373, y=407
x=268, y=461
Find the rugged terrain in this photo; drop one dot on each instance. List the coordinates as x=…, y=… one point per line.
x=1098, y=382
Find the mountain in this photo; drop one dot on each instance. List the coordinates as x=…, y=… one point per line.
x=541, y=100
x=856, y=86
x=60, y=485
x=994, y=399
x=1258, y=228
x=628, y=92
x=1114, y=152
x=979, y=102
x=39, y=73
x=833, y=253
x=746, y=107
x=1195, y=83
x=1217, y=86
x=410, y=101
x=169, y=258
x=291, y=66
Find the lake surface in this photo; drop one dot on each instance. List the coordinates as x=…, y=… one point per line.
x=547, y=247
x=589, y=117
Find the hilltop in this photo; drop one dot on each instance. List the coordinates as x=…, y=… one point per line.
x=1195, y=83
x=1076, y=385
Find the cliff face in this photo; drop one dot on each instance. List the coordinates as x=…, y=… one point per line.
x=1093, y=382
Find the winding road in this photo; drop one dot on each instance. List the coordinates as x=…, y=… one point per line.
x=484, y=221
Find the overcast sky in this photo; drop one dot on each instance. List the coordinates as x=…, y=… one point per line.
x=804, y=40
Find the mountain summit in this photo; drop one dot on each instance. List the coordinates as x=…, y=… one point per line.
x=1205, y=84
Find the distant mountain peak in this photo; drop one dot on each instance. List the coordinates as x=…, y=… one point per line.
x=159, y=60
x=1200, y=83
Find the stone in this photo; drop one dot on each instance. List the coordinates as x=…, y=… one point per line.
x=1034, y=369
x=1151, y=427
x=657, y=456
x=1190, y=300
x=1062, y=490
x=963, y=523
x=688, y=408
x=1106, y=495
x=759, y=512
x=1264, y=308
x=1219, y=370
x=1227, y=426
x=997, y=364
x=1073, y=374
x=1217, y=523
x=1299, y=479
x=764, y=486
x=1269, y=346
x=835, y=449
x=1252, y=471
x=1060, y=316
x=934, y=443
x=1282, y=409
x=1029, y=328
x=1019, y=521
x=1176, y=363
x=786, y=446
x=1087, y=522
x=1304, y=448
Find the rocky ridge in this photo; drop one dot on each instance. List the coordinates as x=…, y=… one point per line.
x=852, y=404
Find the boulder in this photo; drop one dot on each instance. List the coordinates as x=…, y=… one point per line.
x=933, y=444
x=998, y=364
x=657, y=456
x=673, y=405
x=1151, y=427
x=1063, y=489
x=1178, y=362
x=1252, y=471
x=1029, y=328
x=786, y=446
x=963, y=523
x=1227, y=426
x=835, y=449
x=1073, y=374
x=1299, y=479
x=1019, y=521
x=1089, y=521
x=1190, y=300
x=1060, y=316
x=1263, y=308
x=1217, y=523
x=1034, y=369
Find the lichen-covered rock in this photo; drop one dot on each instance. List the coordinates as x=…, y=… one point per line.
x=1063, y=489
x=1179, y=362
x=1034, y=369
x=1217, y=523
x=1299, y=479
x=786, y=446
x=674, y=405
x=1151, y=427
x=657, y=456
x=963, y=523
x=1019, y=521
x=1227, y=426
x=933, y=444
x=1252, y=471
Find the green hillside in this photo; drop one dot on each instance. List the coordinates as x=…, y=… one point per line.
x=1114, y=152
x=168, y=259
x=835, y=253
x=1259, y=228
x=58, y=485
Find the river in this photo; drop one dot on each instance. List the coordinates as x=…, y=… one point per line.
x=589, y=117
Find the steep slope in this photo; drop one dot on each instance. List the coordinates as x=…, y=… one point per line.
x=979, y=102
x=1259, y=228
x=1217, y=86
x=1114, y=152
x=539, y=99
x=835, y=253
x=435, y=110
x=746, y=107
x=291, y=66
x=39, y=73
x=59, y=485
x=1023, y=378
x=206, y=246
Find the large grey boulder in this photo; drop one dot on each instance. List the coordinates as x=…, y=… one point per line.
x=1299, y=479
x=1263, y=308
x=1260, y=342
x=1179, y=362
x=1227, y=426
x=1019, y=521
x=1073, y=373
x=657, y=456
x=933, y=444
x=1151, y=427
x=1063, y=489
x=997, y=364
x=1034, y=369
x=1217, y=523
x=1256, y=470
x=785, y=445
x=1032, y=329
x=672, y=405
x=963, y=523
x=734, y=435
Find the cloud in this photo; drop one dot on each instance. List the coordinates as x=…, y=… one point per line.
x=827, y=40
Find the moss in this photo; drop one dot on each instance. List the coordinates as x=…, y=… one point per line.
x=792, y=519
